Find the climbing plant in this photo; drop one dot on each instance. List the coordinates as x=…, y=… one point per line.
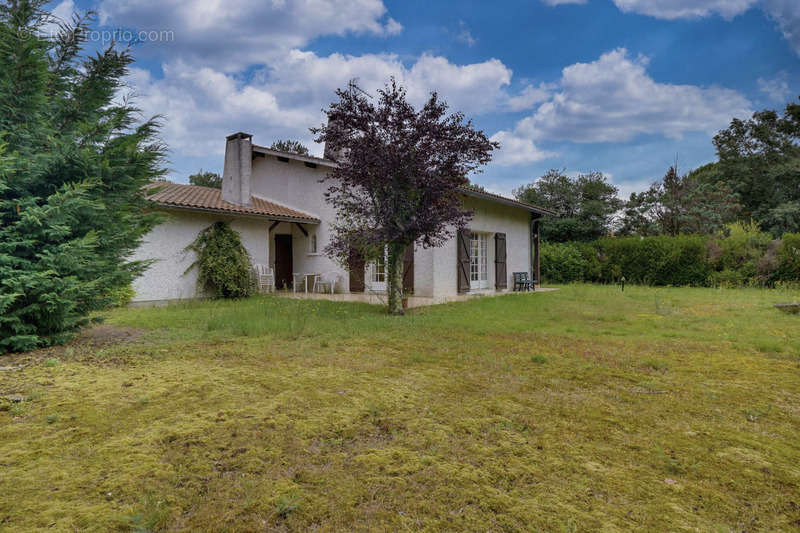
x=222, y=261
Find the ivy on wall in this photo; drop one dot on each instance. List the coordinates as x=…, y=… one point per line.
x=222, y=261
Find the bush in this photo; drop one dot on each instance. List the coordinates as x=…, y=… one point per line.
x=223, y=262
x=743, y=256
x=562, y=262
x=789, y=257
x=662, y=260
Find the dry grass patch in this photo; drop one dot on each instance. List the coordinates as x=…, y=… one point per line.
x=585, y=409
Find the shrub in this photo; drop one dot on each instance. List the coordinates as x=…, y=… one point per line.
x=789, y=257
x=222, y=261
x=661, y=260
x=562, y=262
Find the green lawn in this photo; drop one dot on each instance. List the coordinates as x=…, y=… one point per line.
x=584, y=409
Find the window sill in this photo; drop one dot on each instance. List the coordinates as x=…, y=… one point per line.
x=313, y=254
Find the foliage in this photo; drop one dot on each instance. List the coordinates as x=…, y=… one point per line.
x=541, y=386
x=398, y=175
x=72, y=164
x=740, y=255
x=695, y=203
x=789, y=257
x=659, y=260
x=222, y=261
x=294, y=147
x=206, y=179
x=759, y=158
x=561, y=262
x=585, y=203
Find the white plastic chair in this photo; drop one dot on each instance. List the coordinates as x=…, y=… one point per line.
x=265, y=277
x=297, y=277
x=322, y=281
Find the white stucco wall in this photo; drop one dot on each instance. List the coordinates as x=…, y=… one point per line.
x=295, y=185
x=165, y=279
x=489, y=217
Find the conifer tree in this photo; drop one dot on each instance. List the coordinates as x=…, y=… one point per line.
x=73, y=159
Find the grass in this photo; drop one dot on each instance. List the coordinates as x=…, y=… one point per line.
x=585, y=409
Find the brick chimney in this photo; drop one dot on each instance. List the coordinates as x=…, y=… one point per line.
x=238, y=169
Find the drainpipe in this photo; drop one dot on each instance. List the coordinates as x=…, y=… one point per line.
x=535, y=266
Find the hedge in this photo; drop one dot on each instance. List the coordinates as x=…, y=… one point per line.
x=744, y=256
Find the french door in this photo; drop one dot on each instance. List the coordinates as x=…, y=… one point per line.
x=377, y=274
x=479, y=261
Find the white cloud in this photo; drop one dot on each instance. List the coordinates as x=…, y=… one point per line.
x=613, y=99
x=678, y=9
x=464, y=35
x=202, y=104
x=530, y=96
x=786, y=13
x=517, y=150
x=777, y=88
x=231, y=35
x=62, y=13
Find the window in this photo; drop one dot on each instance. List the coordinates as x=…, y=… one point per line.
x=312, y=243
x=377, y=274
x=479, y=261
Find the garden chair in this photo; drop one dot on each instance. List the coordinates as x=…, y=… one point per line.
x=521, y=282
x=325, y=281
x=265, y=277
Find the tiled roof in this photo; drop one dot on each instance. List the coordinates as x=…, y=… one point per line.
x=209, y=199
x=480, y=193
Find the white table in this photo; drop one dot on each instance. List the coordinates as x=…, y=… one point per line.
x=305, y=276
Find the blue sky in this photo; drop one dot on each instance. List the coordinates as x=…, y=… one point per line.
x=623, y=87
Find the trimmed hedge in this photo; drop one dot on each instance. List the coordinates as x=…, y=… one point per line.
x=744, y=257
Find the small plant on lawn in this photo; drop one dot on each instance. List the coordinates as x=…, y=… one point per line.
x=287, y=505
x=539, y=359
x=222, y=261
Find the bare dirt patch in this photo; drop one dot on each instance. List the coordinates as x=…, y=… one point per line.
x=90, y=338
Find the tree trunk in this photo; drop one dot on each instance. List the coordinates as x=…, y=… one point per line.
x=394, y=278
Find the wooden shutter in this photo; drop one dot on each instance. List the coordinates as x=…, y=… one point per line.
x=408, y=269
x=500, y=271
x=356, y=268
x=463, y=243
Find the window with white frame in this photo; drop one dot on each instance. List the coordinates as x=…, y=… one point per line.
x=377, y=274
x=312, y=243
x=479, y=261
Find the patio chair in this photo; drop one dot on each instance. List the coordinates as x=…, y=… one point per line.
x=325, y=281
x=297, y=277
x=265, y=277
x=522, y=283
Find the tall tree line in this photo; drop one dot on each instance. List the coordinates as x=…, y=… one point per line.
x=756, y=179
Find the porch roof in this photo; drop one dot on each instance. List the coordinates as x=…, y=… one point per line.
x=208, y=199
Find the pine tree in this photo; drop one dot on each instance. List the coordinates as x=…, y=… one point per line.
x=73, y=161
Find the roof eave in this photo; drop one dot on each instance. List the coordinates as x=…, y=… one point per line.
x=281, y=218
x=297, y=157
x=507, y=201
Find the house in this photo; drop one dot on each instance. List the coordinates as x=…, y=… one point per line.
x=275, y=201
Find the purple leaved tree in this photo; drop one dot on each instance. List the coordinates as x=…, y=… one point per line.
x=398, y=176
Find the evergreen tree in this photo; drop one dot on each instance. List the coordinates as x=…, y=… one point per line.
x=206, y=179
x=693, y=203
x=72, y=164
x=759, y=159
x=294, y=147
x=586, y=204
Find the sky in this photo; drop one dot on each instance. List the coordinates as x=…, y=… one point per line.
x=623, y=87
